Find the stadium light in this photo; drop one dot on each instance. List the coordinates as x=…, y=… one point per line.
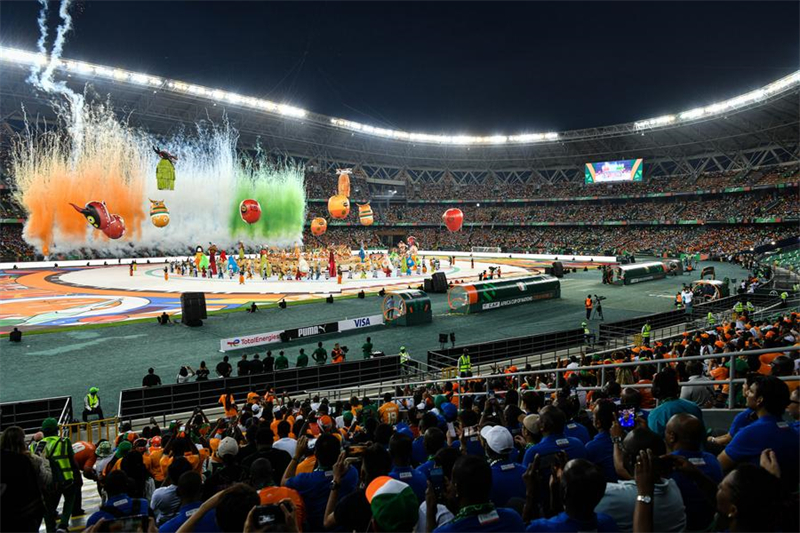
x=24, y=57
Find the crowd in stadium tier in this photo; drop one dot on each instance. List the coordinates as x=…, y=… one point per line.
x=447, y=457
x=445, y=191
x=322, y=185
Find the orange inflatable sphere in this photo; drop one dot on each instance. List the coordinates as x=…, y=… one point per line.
x=339, y=206
x=84, y=454
x=319, y=226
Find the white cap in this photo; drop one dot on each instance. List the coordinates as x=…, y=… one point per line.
x=228, y=446
x=498, y=438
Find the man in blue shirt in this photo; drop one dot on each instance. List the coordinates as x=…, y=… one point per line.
x=571, y=407
x=400, y=450
x=434, y=440
x=582, y=486
x=190, y=491
x=667, y=391
x=472, y=477
x=551, y=425
x=684, y=438
x=600, y=450
x=507, y=480
x=119, y=504
x=418, y=454
x=315, y=487
x=768, y=397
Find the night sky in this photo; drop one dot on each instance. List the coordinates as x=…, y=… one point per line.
x=449, y=67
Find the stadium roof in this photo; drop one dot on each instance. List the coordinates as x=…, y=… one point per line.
x=757, y=128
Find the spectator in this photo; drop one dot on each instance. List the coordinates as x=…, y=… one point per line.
x=551, y=427
x=227, y=475
x=15, y=335
x=269, y=362
x=190, y=490
x=232, y=507
x=256, y=365
x=400, y=451
x=315, y=487
x=243, y=366
x=767, y=397
x=202, y=372
x=118, y=504
x=472, y=478
x=507, y=480
x=697, y=474
x=59, y=453
x=285, y=442
x=281, y=362
x=581, y=487
x=667, y=391
x=278, y=459
x=320, y=355
x=353, y=512
x=165, y=502
x=151, y=379
x=302, y=359
x=263, y=480
x=747, y=500
x=21, y=498
x=433, y=440
x=440, y=493
x=600, y=450
x=620, y=498
x=702, y=395
x=184, y=374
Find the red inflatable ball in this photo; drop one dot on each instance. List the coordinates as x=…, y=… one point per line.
x=453, y=219
x=115, y=228
x=250, y=211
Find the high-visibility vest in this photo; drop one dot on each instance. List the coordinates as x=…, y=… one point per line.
x=750, y=306
x=710, y=319
x=739, y=307
x=92, y=400
x=588, y=303
x=404, y=357
x=646, y=331
x=464, y=364
x=586, y=331
x=784, y=295
x=57, y=450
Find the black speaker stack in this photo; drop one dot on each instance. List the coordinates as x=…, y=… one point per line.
x=193, y=308
x=558, y=269
x=439, y=282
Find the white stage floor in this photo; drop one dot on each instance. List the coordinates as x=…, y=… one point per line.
x=151, y=278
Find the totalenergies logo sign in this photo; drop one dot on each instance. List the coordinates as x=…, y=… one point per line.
x=246, y=341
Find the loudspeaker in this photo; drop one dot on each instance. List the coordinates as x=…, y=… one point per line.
x=193, y=308
x=427, y=285
x=439, y=282
x=558, y=269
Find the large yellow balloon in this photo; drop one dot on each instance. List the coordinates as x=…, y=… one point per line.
x=339, y=206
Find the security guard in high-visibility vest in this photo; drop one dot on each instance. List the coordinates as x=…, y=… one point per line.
x=738, y=307
x=465, y=365
x=646, y=333
x=58, y=451
x=784, y=297
x=405, y=360
x=588, y=336
x=91, y=405
x=750, y=307
x=710, y=320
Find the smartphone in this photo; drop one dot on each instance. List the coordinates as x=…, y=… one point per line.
x=627, y=418
x=356, y=450
x=128, y=523
x=437, y=480
x=268, y=515
x=312, y=444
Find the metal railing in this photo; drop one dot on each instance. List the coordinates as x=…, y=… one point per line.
x=29, y=414
x=91, y=431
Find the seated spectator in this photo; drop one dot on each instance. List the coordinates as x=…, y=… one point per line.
x=232, y=507
x=747, y=500
x=667, y=391
x=353, y=512
x=702, y=395
x=118, y=504
x=767, y=397
x=620, y=498
x=285, y=442
x=190, y=491
x=600, y=450
x=315, y=487
x=262, y=478
x=472, y=478
x=278, y=459
x=507, y=480
x=551, y=427
x=400, y=451
x=393, y=504
x=15, y=335
x=165, y=502
x=698, y=476
x=440, y=493
x=227, y=475
x=433, y=441
x=581, y=486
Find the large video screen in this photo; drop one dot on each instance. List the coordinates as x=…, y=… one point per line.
x=613, y=171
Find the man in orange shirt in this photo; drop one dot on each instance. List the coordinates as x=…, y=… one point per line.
x=337, y=355
x=588, y=305
x=389, y=412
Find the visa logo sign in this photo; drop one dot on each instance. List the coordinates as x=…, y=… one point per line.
x=361, y=322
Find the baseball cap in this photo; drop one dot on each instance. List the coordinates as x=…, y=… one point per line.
x=325, y=421
x=498, y=438
x=123, y=449
x=531, y=423
x=227, y=446
x=103, y=449
x=393, y=503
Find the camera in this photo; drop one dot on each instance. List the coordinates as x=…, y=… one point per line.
x=627, y=418
x=268, y=515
